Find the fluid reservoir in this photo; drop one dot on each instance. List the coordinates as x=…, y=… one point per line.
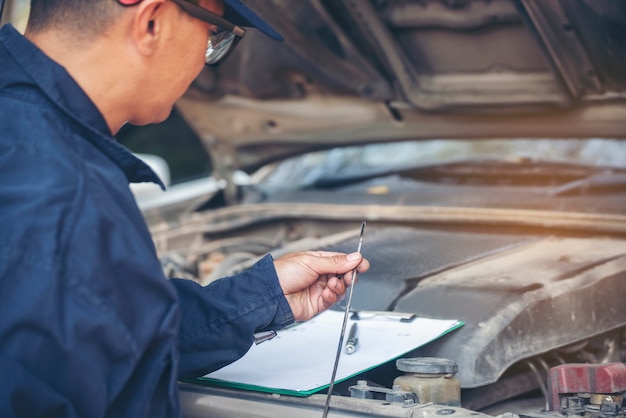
x=431, y=379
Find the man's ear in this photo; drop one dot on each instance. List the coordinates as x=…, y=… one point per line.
x=147, y=25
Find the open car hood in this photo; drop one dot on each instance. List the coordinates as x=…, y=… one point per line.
x=382, y=70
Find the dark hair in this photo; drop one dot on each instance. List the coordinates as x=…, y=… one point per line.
x=85, y=17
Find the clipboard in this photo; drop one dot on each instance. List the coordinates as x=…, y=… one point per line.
x=299, y=360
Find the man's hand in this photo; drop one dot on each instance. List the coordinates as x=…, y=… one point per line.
x=313, y=280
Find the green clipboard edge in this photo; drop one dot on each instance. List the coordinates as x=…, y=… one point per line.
x=207, y=381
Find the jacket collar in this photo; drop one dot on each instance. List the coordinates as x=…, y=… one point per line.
x=56, y=83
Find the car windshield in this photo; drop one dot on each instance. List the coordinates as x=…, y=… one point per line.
x=364, y=160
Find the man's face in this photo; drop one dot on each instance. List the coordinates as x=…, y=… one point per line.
x=181, y=60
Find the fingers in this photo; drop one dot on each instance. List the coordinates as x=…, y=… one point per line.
x=337, y=263
x=336, y=285
x=347, y=278
x=297, y=271
x=341, y=265
x=328, y=298
x=328, y=262
x=361, y=267
x=333, y=292
x=313, y=281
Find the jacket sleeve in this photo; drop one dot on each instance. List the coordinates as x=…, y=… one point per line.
x=219, y=320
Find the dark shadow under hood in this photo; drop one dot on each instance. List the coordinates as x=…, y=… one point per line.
x=371, y=71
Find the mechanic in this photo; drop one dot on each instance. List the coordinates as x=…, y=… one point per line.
x=89, y=325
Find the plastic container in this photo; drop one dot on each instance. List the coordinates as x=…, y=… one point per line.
x=431, y=379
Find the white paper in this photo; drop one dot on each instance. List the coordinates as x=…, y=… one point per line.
x=301, y=357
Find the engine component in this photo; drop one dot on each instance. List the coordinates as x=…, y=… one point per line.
x=595, y=390
x=364, y=391
x=431, y=379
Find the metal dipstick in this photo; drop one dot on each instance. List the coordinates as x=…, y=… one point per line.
x=343, y=327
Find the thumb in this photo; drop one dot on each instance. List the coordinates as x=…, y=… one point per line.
x=336, y=263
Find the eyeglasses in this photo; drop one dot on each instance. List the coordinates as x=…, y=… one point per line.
x=221, y=43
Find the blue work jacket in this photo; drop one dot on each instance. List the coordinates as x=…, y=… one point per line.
x=89, y=325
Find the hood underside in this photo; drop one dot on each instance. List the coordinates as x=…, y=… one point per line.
x=386, y=70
